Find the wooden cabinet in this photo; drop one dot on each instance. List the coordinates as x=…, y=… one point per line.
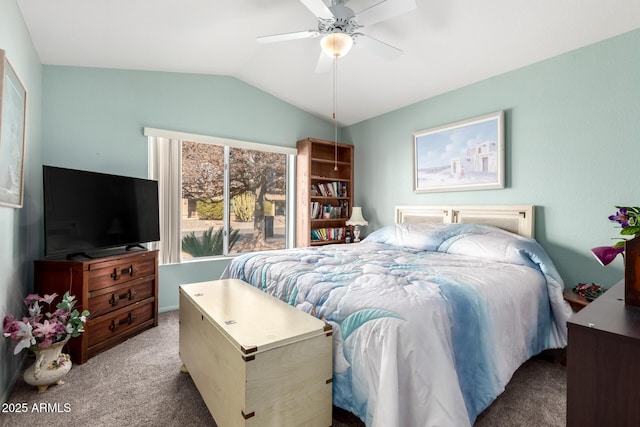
x=603, y=372
x=324, y=191
x=255, y=360
x=120, y=292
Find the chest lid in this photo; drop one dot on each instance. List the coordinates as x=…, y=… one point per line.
x=249, y=318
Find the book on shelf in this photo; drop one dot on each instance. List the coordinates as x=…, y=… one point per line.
x=321, y=211
x=330, y=189
x=327, y=233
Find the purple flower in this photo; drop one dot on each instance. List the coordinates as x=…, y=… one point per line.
x=8, y=322
x=10, y=327
x=46, y=342
x=621, y=217
x=31, y=297
x=61, y=328
x=61, y=314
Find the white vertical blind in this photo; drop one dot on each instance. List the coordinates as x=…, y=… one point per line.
x=164, y=166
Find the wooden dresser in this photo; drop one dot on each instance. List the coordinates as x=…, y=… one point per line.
x=603, y=363
x=120, y=292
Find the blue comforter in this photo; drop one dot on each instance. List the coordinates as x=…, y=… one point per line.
x=430, y=320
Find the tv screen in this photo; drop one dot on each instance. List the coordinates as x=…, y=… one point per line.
x=85, y=212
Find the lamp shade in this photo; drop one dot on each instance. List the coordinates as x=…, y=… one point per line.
x=356, y=217
x=606, y=254
x=336, y=44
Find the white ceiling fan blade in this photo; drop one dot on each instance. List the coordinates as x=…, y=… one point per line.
x=384, y=10
x=376, y=46
x=324, y=63
x=288, y=36
x=318, y=8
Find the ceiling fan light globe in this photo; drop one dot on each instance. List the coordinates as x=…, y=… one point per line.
x=336, y=44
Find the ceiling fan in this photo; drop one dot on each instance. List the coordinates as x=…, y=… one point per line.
x=339, y=26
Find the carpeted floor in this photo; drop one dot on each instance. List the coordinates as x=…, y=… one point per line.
x=139, y=383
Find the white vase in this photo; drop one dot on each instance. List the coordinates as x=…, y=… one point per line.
x=49, y=368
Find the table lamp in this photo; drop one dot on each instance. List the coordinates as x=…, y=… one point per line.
x=356, y=220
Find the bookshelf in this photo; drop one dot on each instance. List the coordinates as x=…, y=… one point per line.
x=324, y=195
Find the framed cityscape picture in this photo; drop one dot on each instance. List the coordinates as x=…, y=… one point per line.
x=13, y=98
x=460, y=156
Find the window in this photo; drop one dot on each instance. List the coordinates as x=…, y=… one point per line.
x=234, y=197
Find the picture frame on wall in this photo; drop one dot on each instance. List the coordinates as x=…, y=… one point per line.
x=13, y=107
x=460, y=156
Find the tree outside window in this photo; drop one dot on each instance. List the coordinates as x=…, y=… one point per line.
x=255, y=187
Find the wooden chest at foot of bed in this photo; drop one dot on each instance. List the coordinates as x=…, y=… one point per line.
x=255, y=360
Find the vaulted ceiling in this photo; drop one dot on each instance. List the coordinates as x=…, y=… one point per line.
x=446, y=44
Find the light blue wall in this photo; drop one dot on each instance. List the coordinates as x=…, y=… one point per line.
x=19, y=228
x=572, y=149
x=93, y=120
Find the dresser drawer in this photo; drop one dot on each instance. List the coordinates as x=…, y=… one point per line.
x=120, y=322
x=119, y=271
x=103, y=301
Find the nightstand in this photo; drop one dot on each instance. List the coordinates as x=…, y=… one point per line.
x=603, y=371
x=576, y=301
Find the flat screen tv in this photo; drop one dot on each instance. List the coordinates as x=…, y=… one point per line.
x=88, y=212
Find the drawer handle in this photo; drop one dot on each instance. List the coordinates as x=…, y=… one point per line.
x=116, y=275
x=115, y=324
x=115, y=298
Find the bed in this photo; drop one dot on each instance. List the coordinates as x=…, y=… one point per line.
x=431, y=315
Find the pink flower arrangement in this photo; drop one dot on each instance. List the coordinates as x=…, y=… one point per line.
x=40, y=330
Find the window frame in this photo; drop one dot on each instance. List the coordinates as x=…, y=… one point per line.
x=228, y=143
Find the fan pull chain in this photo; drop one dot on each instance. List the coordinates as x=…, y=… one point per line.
x=335, y=109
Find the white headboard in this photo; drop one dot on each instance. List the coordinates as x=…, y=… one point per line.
x=517, y=219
